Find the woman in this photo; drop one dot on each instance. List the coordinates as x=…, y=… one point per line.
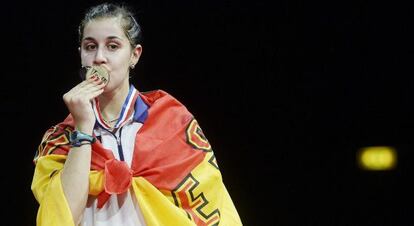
x=123, y=157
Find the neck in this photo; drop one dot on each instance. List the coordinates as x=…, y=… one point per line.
x=110, y=103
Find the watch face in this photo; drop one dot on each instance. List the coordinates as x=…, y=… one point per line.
x=73, y=136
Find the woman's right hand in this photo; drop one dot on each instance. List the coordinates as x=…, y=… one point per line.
x=78, y=101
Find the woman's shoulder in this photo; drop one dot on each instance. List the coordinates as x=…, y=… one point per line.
x=66, y=125
x=163, y=104
x=160, y=97
x=56, y=139
x=157, y=94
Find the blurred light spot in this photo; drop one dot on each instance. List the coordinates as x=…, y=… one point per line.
x=377, y=158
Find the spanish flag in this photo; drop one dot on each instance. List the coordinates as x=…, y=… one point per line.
x=174, y=174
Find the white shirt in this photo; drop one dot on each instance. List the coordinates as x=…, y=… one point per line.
x=123, y=209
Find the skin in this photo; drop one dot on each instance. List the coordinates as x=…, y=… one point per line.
x=104, y=43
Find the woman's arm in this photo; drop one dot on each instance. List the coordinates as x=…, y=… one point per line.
x=75, y=173
x=75, y=179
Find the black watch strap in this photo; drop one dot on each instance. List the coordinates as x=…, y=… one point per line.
x=78, y=138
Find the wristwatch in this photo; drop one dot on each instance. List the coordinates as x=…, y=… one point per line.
x=77, y=137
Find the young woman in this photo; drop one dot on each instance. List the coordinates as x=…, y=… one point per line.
x=123, y=157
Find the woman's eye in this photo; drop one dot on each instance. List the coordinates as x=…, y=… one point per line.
x=90, y=47
x=113, y=46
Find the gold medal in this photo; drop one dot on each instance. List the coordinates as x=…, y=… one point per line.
x=99, y=71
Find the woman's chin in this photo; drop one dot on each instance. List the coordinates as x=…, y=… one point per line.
x=107, y=88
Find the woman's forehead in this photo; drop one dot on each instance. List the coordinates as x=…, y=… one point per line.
x=104, y=27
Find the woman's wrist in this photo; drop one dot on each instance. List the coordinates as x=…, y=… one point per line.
x=78, y=138
x=84, y=129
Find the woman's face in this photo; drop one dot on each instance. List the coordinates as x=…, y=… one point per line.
x=105, y=43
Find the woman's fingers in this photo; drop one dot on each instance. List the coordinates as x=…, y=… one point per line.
x=78, y=101
x=86, y=95
x=93, y=93
x=90, y=84
x=83, y=83
x=88, y=92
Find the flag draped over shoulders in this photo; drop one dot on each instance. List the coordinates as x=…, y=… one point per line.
x=174, y=174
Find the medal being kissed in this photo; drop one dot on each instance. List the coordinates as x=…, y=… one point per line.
x=88, y=71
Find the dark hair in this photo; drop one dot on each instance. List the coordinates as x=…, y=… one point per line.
x=108, y=10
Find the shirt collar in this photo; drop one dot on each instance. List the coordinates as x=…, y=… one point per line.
x=141, y=110
x=133, y=105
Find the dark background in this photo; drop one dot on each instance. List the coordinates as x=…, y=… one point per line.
x=285, y=91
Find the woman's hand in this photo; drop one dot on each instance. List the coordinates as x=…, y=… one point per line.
x=78, y=101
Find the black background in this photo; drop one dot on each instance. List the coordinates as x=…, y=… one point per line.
x=285, y=91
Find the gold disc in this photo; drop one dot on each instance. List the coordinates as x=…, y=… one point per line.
x=99, y=71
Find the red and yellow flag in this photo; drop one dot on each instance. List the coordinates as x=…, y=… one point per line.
x=174, y=173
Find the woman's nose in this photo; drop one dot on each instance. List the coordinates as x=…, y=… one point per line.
x=100, y=57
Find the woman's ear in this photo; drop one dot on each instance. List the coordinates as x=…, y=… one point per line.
x=136, y=54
